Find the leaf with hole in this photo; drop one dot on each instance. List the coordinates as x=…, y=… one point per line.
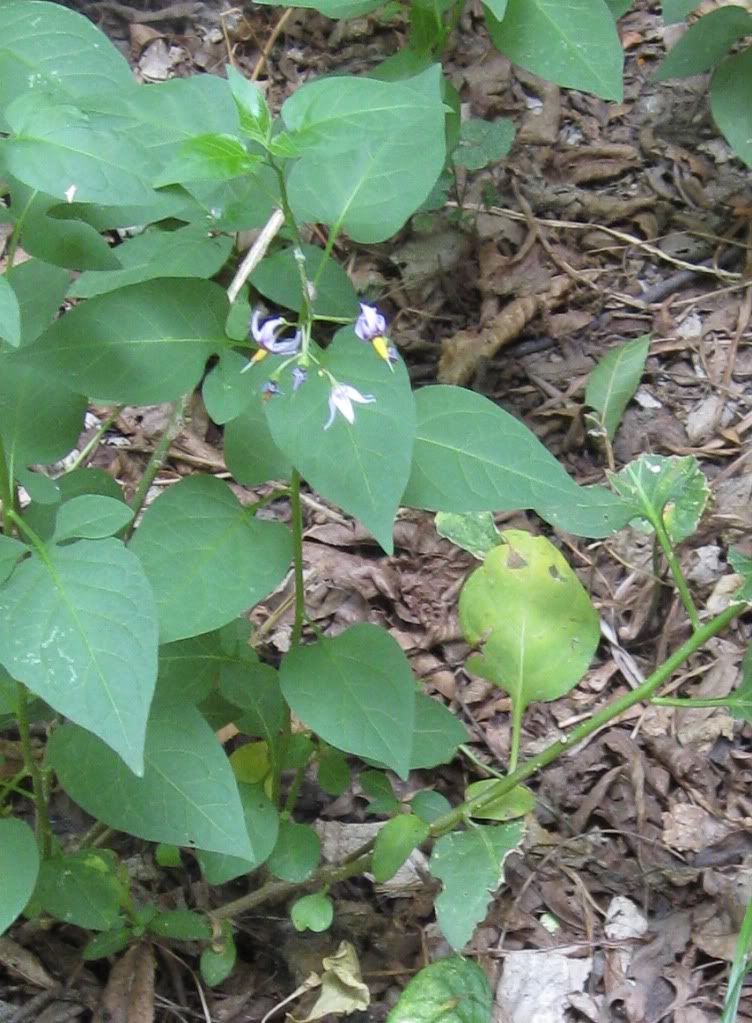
x=668, y=490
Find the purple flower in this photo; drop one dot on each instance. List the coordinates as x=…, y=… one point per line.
x=370, y=324
x=299, y=377
x=392, y=355
x=341, y=398
x=266, y=336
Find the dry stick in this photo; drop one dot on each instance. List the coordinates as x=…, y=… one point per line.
x=256, y=253
x=261, y=62
x=360, y=861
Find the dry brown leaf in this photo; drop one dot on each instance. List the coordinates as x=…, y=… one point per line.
x=129, y=995
x=23, y=964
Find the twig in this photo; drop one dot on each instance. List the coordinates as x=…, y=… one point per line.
x=156, y=461
x=256, y=253
x=269, y=45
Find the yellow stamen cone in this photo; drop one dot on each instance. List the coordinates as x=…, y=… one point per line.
x=381, y=347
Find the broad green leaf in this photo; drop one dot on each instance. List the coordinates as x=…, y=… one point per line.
x=296, y=854
x=677, y=10
x=91, y=517
x=483, y=142
x=62, y=49
x=369, y=707
x=705, y=43
x=470, y=864
x=10, y=314
x=217, y=961
x=437, y=734
x=361, y=466
x=80, y=630
x=532, y=618
x=190, y=668
x=38, y=485
x=262, y=823
x=81, y=888
x=142, y=344
x=250, y=763
x=181, y=924
x=108, y=943
x=254, y=688
x=40, y=420
x=373, y=151
x=474, y=532
x=189, y=252
x=394, y=843
x=332, y=771
x=10, y=551
x=41, y=517
x=729, y=88
x=255, y=119
x=614, y=381
x=430, y=805
x=250, y=451
x=58, y=149
x=278, y=279
x=238, y=204
x=517, y=803
x=668, y=489
x=210, y=157
x=742, y=566
x=498, y=8
x=472, y=456
x=312, y=913
x=453, y=990
x=337, y=9
x=187, y=795
x=378, y=788
x=207, y=557
x=19, y=863
x=40, y=289
x=574, y=44
x=227, y=390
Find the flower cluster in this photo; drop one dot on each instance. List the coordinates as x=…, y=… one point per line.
x=370, y=327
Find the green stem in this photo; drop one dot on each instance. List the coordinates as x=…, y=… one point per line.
x=156, y=461
x=86, y=451
x=37, y=543
x=43, y=829
x=296, y=510
x=518, y=710
x=12, y=785
x=360, y=860
x=687, y=703
x=676, y=572
x=16, y=234
x=739, y=968
x=7, y=491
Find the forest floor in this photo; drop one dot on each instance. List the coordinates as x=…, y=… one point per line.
x=606, y=222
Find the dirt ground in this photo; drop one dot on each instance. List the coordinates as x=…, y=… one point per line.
x=607, y=221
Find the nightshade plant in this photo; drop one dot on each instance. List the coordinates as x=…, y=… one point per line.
x=124, y=626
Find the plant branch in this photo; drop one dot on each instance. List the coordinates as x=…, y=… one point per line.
x=675, y=569
x=43, y=829
x=7, y=491
x=156, y=461
x=360, y=861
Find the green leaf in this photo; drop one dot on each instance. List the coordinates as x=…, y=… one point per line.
x=378, y=788
x=574, y=44
x=167, y=856
x=10, y=551
x=187, y=795
x=253, y=687
x=742, y=566
x=394, y=843
x=532, y=618
x=471, y=866
x=453, y=990
x=430, y=805
x=373, y=151
x=517, y=803
x=437, y=734
x=472, y=456
x=189, y=252
x=108, y=943
x=19, y=864
x=81, y=888
x=337, y=9
x=614, y=381
x=207, y=557
x=40, y=421
x=618, y=7
x=312, y=913
x=369, y=708
x=60, y=48
x=182, y=925
x=190, y=668
x=250, y=452
x=740, y=700
x=255, y=119
x=41, y=517
x=729, y=88
x=91, y=517
x=81, y=632
x=677, y=10
x=483, y=142
x=64, y=152
x=142, y=344
x=296, y=854
x=40, y=289
x=474, y=532
x=278, y=278
x=262, y=824
x=362, y=467
x=217, y=961
x=705, y=43
x=210, y=157
x=498, y=8
x=10, y=314
x=227, y=390
x=333, y=771
x=668, y=489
